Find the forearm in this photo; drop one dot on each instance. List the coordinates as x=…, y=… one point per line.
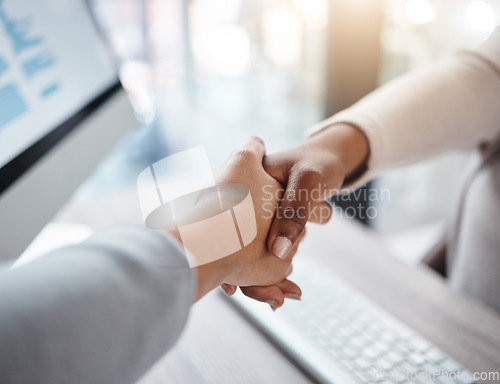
x=111, y=307
x=345, y=141
x=208, y=276
x=452, y=105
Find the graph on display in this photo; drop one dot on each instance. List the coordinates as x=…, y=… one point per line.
x=31, y=55
x=38, y=63
x=12, y=104
x=19, y=31
x=3, y=66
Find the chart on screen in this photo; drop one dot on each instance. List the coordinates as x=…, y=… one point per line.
x=41, y=45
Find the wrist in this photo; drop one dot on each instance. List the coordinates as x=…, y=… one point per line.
x=348, y=143
x=208, y=276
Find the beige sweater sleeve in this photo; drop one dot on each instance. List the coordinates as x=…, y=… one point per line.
x=452, y=105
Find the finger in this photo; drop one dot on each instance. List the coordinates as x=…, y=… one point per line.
x=294, y=250
x=229, y=289
x=251, y=152
x=321, y=212
x=274, y=295
x=277, y=166
x=290, y=289
x=252, y=145
x=305, y=187
x=270, y=294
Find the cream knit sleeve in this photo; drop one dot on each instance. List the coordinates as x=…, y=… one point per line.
x=452, y=105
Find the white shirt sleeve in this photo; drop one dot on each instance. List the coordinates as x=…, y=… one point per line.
x=454, y=104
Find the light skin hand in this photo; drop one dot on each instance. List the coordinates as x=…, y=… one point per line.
x=252, y=265
x=274, y=295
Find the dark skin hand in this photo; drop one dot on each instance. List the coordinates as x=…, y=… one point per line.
x=310, y=172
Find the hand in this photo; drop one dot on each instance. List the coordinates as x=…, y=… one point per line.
x=312, y=172
x=252, y=265
x=274, y=295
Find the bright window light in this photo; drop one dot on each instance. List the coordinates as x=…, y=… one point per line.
x=314, y=13
x=224, y=49
x=420, y=12
x=282, y=35
x=480, y=16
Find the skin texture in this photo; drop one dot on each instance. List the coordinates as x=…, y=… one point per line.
x=254, y=264
x=322, y=163
x=312, y=172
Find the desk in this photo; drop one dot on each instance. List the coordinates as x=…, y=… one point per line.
x=219, y=346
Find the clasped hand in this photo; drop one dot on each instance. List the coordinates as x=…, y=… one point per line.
x=320, y=164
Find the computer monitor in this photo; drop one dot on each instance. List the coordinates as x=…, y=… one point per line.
x=61, y=109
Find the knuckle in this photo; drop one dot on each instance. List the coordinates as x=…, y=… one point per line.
x=293, y=226
x=256, y=139
x=309, y=174
x=310, y=183
x=244, y=154
x=294, y=212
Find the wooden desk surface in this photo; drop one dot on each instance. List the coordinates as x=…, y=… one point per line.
x=220, y=346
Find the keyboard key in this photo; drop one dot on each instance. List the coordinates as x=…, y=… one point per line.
x=359, y=341
x=350, y=353
x=384, y=364
x=406, y=367
x=416, y=359
x=450, y=365
x=372, y=352
x=350, y=366
x=388, y=337
x=422, y=379
x=419, y=344
x=362, y=363
x=347, y=332
x=434, y=355
x=445, y=380
x=394, y=357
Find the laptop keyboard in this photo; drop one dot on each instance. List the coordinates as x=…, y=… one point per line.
x=354, y=335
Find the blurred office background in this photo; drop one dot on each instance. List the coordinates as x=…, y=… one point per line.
x=213, y=72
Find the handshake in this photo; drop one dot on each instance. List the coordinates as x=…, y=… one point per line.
x=261, y=267
x=288, y=189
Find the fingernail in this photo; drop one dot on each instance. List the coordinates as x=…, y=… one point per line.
x=293, y=296
x=282, y=247
x=272, y=304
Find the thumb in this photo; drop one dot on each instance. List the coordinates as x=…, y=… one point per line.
x=304, y=192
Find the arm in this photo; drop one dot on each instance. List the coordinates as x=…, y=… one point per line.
x=101, y=311
x=453, y=105
x=107, y=309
